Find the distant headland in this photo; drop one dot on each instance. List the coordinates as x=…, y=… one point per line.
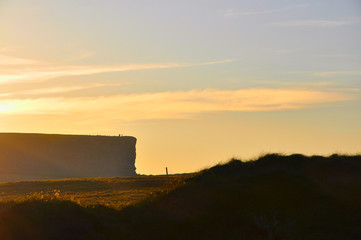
x=34, y=156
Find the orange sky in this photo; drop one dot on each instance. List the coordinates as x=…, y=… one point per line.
x=196, y=83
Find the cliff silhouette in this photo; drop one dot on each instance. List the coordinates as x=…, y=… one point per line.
x=28, y=156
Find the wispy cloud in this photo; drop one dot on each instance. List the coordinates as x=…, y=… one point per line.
x=234, y=13
x=41, y=72
x=336, y=73
x=85, y=54
x=297, y=84
x=39, y=92
x=215, y=62
x=9, y=49
x=9, y=60
x=315, y=23
x=5, y=94
x=168, y=105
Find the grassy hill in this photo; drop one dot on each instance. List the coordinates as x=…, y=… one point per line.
x=274, y=197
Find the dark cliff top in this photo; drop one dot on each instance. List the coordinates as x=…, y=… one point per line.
x=14, y=134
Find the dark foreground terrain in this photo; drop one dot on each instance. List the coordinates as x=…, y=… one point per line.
x=274, y=197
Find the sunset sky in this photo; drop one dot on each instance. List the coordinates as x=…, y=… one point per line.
x=197, y=82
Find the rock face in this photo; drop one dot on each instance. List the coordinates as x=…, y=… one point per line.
x=25, y=156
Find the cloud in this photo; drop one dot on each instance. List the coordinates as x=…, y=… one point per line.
x=170, y=105
x=234, y=13
x=297, y=84
x=44, y=72
x=315, y=23
x=85, y=55
x=213, y=63
x=5, y=94
x=8, y=60
x=55, y=90
x=337, y=73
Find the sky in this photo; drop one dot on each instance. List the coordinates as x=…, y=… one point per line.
x=197, y=82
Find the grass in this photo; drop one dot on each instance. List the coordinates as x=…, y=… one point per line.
x=115, y=192
x=274, y=197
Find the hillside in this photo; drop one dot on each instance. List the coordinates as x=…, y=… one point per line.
x=274, y=197
x=27, y=156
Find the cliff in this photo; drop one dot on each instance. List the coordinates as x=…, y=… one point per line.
x=25, y=156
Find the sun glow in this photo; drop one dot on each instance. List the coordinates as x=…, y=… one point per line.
x=6, y=108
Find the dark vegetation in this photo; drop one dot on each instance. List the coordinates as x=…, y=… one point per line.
x=274, y=197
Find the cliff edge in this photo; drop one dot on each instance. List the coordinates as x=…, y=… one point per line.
x=28, y=156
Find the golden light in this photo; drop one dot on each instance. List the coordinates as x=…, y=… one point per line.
x=7, y=107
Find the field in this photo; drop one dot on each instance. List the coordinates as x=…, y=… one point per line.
x=114, y=192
